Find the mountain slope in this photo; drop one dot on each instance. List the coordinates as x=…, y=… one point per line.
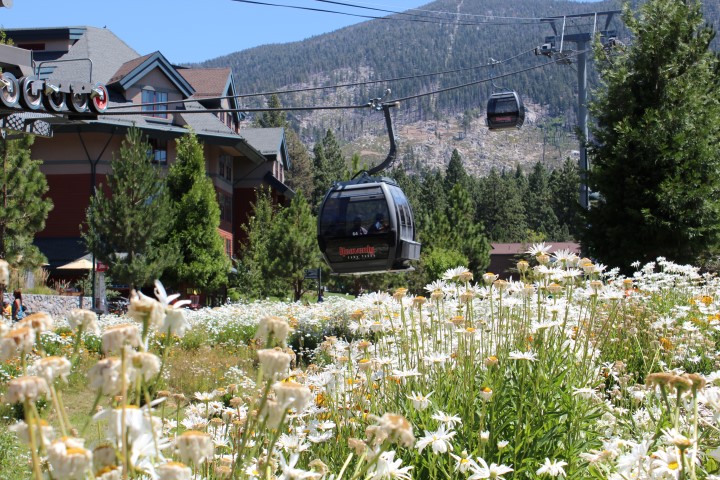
x=429, y=127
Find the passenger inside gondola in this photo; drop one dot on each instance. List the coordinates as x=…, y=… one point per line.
x=380, y=225
x=358, y=229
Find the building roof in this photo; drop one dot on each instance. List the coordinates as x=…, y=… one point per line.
x=104, y=50
x=207, y=82
x=267, y=140
x=520, y=248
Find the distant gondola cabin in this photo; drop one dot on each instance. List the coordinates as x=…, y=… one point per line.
x=505, y=110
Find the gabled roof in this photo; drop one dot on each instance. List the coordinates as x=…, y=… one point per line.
x=208, y=82
x=268, y=141
x=132, y=71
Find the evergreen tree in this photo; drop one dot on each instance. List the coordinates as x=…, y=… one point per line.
x=128, y=227
x=203, y=262
x=23, y=210
x=273, y=118
x=538, y=204
x=300, y=176
x=454, y=228
x=329, y=167
x=500, y=208
x=294, y=244
x=654, y=150
x=455, y=172
x=254, y=260
x=564, y=188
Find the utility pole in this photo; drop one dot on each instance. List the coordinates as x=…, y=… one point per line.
x=555, y=46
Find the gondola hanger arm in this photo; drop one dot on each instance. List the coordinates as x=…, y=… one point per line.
x=378, y=104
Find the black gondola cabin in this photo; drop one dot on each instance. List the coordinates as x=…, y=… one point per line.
x=366, y=226
x=505, y=110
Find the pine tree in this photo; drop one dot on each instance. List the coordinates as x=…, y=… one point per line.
x=273, y=118
x=294, y=244
x=538, y=204
x=564, y=188
x=203, y=262
x=455, y=172
x=329, y=167
x=300, y=176
x=128, y=227
x=455, y=228
x=500, y=208
x=254, y=261
x=23, y=210
x=654, y=152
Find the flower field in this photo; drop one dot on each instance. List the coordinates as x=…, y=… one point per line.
x=572, y=371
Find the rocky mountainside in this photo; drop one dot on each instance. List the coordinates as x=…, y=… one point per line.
x=430, y=126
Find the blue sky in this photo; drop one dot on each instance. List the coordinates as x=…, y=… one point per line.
x=193, y=31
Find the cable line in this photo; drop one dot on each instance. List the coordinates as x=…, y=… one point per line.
x=326, y=87
x=432, y=11
x=375, y=17
x=477, y=82
x=346, y=107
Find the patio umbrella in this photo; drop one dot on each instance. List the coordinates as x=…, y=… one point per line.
x=82, y=263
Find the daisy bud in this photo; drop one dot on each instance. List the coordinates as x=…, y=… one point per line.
x=105, y=375
x=69, y=459
x=85, y=320
x=28, y=388
x=486, y=393
x=292, y=395
x=397, y=428
x=174, y=471
x=52, y=368
x=116, y=337
x=147, y=364
x=523, y=266
x=273, y=361
x=39, y=322
x=272, y=327
x=489, y=278
x=19, y=340
x=104, y=456
x=43, y=430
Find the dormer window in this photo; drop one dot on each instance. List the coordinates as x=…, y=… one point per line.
x=152, y=96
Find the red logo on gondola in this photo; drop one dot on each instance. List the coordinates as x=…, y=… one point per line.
x=369, y=251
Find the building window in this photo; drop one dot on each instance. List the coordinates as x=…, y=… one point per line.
x=225, y=204
x=225, y=167
x=228, y=247
x=151, y=96
x=158, y=151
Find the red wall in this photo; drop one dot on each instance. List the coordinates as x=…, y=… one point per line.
x=71, y=196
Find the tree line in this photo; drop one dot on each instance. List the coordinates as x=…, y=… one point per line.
x=654, y=151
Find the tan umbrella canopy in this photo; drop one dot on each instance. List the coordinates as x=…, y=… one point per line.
x=82, y=263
